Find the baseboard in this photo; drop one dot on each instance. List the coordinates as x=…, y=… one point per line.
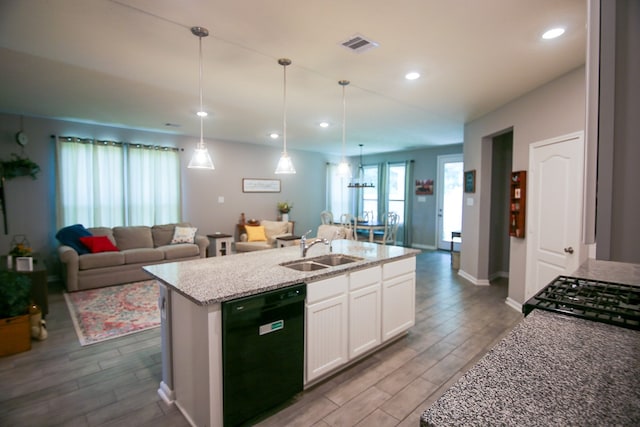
x=514, y=304
x=472, y=279
x=167, y=395
x=426, y=247
x=499, y=274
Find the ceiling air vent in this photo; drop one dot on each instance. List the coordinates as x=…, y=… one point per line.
x=359, y=43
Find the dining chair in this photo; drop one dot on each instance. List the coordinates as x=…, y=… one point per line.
x=348, y=221
x=391, y=224
x=326, y=217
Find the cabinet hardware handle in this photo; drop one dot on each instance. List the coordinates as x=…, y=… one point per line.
x=568, y=250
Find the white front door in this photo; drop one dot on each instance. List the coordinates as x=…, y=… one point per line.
x=449, y=191
x=554, y=209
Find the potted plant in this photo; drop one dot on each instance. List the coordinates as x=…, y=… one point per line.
x=284, y=208
x=18, y=166
x=15, y=295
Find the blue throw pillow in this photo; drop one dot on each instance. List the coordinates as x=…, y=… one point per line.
x=71, y=235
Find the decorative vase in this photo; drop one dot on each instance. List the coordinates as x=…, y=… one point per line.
x=285, y=217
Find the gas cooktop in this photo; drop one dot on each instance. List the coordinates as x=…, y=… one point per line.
x=607, y=302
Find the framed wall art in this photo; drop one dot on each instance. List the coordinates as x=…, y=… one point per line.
x=252, y=185
x=470, y=181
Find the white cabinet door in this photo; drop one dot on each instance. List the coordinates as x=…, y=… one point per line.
x=364, y=320
x=365, y=308
x=398, y=297
x=326, y=324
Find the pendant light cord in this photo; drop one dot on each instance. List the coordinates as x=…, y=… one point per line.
x=200, y=113
x=284, y=111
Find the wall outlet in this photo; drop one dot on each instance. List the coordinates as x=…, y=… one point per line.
x=220, y=199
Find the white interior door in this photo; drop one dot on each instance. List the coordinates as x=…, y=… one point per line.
x=449, y=190
x=554, y=209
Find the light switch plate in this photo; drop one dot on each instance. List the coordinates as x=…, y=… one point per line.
x=469, y=201
x=220, y=199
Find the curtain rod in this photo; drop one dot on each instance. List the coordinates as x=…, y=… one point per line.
x=107, y=142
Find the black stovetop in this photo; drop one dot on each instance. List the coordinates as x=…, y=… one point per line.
x=607, y=302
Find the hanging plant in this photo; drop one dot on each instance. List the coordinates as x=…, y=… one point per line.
x=19, y=166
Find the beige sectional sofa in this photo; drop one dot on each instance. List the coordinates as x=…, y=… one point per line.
x=266, y=240
x=136, y=246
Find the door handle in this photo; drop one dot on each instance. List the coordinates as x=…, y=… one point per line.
x=568, y=250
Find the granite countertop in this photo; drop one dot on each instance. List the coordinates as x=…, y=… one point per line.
x=551, y=369
x=212, y=280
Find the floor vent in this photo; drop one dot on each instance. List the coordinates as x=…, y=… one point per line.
x=359, y=43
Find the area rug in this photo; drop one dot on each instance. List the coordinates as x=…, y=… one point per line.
x=115, y=311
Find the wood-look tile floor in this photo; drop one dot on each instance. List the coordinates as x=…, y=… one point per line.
x=58, y=382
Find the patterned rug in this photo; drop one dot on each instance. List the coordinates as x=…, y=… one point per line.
x=115, y=311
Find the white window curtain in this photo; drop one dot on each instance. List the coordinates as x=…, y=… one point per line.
x=102, y=183
x=338, y=197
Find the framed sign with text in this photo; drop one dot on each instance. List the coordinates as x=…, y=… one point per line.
x=255, y=185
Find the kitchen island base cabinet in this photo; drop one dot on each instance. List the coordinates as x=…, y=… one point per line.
x=364, y=310
x=326, y=325
x=398, y=297
x=197, y=360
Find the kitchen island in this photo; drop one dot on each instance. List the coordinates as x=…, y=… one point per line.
x=351, y=310
x=552, y=369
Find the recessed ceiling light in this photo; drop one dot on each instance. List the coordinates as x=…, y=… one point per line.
x=201, y=114
x=324, y=124
x=553, y=33
x=412, y=75
x=274, y=135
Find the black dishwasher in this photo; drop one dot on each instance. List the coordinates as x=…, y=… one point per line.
x=262, y=352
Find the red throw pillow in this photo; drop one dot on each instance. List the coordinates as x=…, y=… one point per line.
x=98, y=244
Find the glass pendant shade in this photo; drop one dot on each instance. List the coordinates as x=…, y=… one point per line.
x=344, y=169
x=285, y=165
x=200, y=158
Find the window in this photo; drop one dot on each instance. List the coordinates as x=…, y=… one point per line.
x=369, y=194
x=396, y=190
x=104, y=183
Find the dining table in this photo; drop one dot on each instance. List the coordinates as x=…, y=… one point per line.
x=370, y=226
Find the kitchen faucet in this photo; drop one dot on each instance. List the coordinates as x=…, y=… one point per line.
x=303, y=243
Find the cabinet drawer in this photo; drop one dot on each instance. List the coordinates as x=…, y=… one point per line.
x=396, y=268
x=327, y=288
x=360, y=279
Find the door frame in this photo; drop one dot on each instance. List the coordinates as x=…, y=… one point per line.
x=441, y=160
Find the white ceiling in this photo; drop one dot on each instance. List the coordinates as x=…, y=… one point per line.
x=134, y=63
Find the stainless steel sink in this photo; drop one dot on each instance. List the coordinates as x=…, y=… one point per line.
x=305, y=266
x=320, y=262
x=335, y=259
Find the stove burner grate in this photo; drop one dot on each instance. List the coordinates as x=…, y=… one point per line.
x=607, y=302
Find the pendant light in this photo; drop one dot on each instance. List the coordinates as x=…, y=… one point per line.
x=285, y=165
x=201, y=158
x=344, y=170
x=360, y=183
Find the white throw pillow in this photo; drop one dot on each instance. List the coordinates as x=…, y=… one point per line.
x=184, y=235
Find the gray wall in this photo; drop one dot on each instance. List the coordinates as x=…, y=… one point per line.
x=425, y=167
x=618, y=196
x=554, y=109
x=31, y=203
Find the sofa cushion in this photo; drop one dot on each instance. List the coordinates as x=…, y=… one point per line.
x=97, y=244
x=70, y=236
x=163, y=233
x=102, y=259
x=184, y=235
x=103, y=231
x=180, y=250
x=133, y=237
x=255, y=233
x=140, y=255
